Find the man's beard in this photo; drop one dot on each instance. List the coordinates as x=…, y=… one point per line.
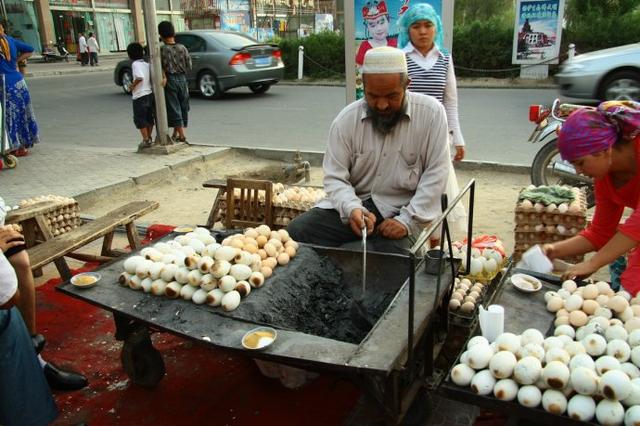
x=385, y=123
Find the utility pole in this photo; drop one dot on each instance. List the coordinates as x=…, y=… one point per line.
x=151, y=28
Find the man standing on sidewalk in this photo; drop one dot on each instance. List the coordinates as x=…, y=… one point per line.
x=84, y=49
x=94, y=48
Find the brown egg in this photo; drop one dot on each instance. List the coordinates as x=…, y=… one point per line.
x=290, y=251
x=467, y=307
x=562, y=313
x=602, y=300
x=590, y=291
x=589, y=306
x=561, y=321
x=266, y=271
x=457, y=296
x=577, y=318
x=454, y=304
x=261, y=240
x=263, y=254
x=470, y=299
x=283, y=258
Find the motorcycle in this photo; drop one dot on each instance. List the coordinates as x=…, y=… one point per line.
x=547, y=167
x=49, y=55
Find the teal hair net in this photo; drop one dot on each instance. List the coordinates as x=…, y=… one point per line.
x=419, y=12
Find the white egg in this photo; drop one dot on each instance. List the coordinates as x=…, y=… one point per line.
x=531, y=349
x=566, y=330
x=531, y=335
x=595, y=344
x=142, y=268
x=199, y=297
x=529, y=396
x=227, y=283
x=634, y=396
x=194, y=277
x=158, y=287
x=505, y=390
x=479, y=356
x=552, y=342
x=131, y=264
x=556, y=374
x=182, y=275
x=123, y=279
x=557, y=354
x=609, y=412
x=527, y=370
x=508, y=342
x=630, y=370
x=483, y=383
x=186, y=292
x=584, y=381
x=476, y=266
x=477, y=340
x=240, y=272
x=231, y=301
x=574, y=348
x=581, y=407
x=614, y=384
x=172, y=290
x=619, y=349
x=582, y=360
x=145, y=284
x=502, y=364
x=214, y=297
x=554, y=401
x=632, y=416
x=220, y=268
x=208, y=283
x=462, y=374
x=225, y=253
x=168, y=272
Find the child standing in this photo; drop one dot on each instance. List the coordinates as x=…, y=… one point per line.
x=142, y=94
x=175, y=64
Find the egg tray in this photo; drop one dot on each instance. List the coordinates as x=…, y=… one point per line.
x=469, y=319
x=580, y=195
x=63, y=218
x=484, y=278
x=533, y=219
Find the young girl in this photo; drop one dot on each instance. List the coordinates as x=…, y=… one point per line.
x=376, y=22
x=141, y=94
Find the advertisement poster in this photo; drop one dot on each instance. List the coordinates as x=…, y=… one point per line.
x=376, y=25
x=537, y=31
x=239, y=21
x=324, y=22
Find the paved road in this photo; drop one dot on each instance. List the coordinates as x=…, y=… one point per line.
x=87, y=110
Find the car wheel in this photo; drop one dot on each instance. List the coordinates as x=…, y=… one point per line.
x=126, y=78
x=621, y=85
x=208, y=86
x=259, y=88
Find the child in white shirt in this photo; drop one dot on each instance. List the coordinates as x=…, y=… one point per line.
x=141, y=94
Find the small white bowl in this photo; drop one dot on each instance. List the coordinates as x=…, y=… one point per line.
x=526, y=283
x=91, y=279
x=259, y=338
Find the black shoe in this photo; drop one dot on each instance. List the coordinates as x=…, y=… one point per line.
x=38, y=342
x=63, y=380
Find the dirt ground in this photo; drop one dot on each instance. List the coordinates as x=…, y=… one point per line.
x=183, y=200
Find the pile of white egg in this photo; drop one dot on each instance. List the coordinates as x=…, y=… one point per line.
x=589, y=368
x=466, y=295
x=194, y=267
x=485, y=263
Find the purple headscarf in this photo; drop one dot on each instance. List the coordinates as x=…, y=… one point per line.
x=588, y=130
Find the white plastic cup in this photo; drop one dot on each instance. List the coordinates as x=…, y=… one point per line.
x=492, y=322
x=536, y=260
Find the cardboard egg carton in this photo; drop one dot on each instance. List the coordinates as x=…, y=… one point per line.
x=527, y=212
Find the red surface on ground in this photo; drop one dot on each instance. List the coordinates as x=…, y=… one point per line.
x=202, y=385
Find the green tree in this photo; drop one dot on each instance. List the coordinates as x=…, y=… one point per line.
x=467, y=11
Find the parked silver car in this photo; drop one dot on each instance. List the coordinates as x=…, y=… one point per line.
x=609, y=74
x=221, y=61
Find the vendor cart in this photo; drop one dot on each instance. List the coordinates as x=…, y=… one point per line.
x=405, y=302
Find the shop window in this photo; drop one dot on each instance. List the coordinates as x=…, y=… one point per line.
x=86, y=3
x=114, y=4
x=162, y=5
x=175, y=4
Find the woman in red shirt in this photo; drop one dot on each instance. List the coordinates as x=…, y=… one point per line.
x=604, y=143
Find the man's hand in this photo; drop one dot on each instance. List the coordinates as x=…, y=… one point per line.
x=392, y=229
x=459, y=153
x=9, y=238
x=355, y=221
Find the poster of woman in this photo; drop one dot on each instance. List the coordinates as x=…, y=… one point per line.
x=376, y=25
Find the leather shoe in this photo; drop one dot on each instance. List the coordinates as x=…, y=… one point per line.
x=38, y=342
x=63, y=380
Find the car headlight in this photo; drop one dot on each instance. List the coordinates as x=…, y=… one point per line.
x=572, y=68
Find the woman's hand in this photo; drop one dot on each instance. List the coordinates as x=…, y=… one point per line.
x=9, y=238
x=581, y=270
x=459, y=153
x=549, y=251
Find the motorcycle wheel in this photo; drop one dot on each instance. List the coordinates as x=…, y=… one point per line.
x=542, y=171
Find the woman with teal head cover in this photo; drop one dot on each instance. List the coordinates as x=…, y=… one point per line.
x=430, y=69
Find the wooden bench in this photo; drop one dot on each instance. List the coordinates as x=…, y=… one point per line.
x=54, y=249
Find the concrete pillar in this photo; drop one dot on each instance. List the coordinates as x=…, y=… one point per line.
x=45, y=23
x=138, y=20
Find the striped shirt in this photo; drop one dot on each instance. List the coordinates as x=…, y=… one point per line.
x=429, y=83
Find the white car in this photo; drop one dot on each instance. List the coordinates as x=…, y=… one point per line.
x=609, y=74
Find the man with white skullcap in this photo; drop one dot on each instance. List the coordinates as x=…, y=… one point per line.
x=386, y=164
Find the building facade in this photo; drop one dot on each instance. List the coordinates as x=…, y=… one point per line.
x=116, y=23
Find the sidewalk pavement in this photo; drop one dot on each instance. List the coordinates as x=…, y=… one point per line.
x=36, y=67
x=74, y=171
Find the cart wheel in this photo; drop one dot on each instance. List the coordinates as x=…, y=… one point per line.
x=141, y=361
x=10, y=161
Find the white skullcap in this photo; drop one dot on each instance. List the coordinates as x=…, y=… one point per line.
x=384, y=60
